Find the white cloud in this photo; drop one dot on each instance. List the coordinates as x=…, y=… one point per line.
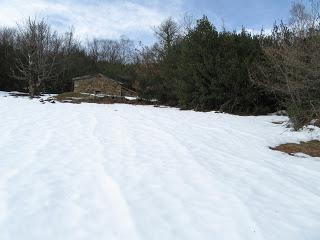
x=108, y=19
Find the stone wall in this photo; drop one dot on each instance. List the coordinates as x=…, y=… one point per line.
x=97, y=85
x=128, y=93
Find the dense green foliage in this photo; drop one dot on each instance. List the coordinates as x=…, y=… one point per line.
x=7, y=60
x=207, y=70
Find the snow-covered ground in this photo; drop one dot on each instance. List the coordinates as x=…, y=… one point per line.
x=96, y=172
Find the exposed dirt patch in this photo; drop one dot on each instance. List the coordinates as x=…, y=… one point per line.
x=18, y=94
x=71, y=97
x=278, y=122
x=311, y=148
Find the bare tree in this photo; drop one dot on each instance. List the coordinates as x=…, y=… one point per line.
x=127, y=50
x=37, y=46
x=300, y=19
x=292, y=68
x=111, y=51
x=188, y=23
x=167, y=33
x=8, y=36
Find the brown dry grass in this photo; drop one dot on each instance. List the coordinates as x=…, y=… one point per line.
x=311, y=148
x=18, y=94
x=72, y=97
x=69, y=97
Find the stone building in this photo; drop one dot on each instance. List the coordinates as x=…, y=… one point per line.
x=100, y=84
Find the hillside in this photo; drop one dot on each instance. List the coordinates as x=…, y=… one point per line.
x=89, y=171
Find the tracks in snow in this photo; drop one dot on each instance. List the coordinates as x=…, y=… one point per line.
x=124, y=172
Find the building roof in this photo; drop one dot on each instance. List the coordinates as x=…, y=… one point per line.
x=99, y=75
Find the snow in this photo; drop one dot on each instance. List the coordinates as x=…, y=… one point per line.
x=131, y=98
x=101, y=95
x=90, y=171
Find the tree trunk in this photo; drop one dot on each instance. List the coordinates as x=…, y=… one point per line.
x=34, y=89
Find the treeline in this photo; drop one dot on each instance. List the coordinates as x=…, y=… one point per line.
x=192, y=65
x=204, y=69
x=36, y=59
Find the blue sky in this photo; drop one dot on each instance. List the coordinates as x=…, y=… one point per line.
x=135, y=18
